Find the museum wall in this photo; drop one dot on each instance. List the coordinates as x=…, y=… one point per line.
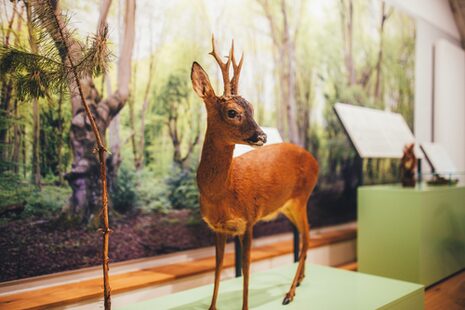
x=434, y=22
x=427, y=36
x=449, y=98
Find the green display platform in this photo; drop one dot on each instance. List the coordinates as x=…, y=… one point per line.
x=416, y=235
x=324, y=288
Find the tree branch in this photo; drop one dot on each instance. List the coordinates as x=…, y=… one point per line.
x=275, y=35
x=116, y=101
x=102, y=21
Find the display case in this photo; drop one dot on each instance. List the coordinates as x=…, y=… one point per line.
x=412, y=234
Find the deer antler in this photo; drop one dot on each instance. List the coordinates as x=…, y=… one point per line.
x=237, y=71
x=224, y=68
x=231, y=87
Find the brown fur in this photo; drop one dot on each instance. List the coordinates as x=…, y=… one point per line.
x=237, y=193
x=249, y=192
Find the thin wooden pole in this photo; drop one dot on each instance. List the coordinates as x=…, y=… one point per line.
x=103, y=175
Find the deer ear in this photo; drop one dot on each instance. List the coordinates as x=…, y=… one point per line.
x=201, y=82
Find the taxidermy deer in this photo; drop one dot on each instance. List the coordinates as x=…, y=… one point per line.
x=408, y=164
x=237, y=193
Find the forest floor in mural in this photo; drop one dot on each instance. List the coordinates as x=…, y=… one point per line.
x=36, y=246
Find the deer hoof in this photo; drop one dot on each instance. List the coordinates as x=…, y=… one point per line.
x=287, y=299
x=212, y=308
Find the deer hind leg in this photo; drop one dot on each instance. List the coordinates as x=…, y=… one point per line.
x=296, y=212
x=246, y=248
x=220, y=244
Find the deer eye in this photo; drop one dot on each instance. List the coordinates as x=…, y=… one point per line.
x=232, y=113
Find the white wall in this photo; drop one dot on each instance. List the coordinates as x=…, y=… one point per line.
x=427, y=36
x=449, y=101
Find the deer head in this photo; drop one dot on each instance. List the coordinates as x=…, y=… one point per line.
x=229, y=117
x=408, y=160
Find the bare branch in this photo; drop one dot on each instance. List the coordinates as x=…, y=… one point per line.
x=102, y=21
x=275, y=35
x=10, y=25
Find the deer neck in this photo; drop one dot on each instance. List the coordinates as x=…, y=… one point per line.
x=213, y=175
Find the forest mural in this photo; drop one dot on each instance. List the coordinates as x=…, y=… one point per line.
x=132, y=60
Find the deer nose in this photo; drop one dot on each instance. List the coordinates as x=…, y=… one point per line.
x=258, y=136
x=262, y=137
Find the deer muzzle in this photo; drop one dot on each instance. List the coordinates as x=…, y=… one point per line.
x=257, y=139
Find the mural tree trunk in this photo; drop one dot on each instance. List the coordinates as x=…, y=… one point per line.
x=6, y=93
x=347, y=17
x=289, y=77
x=16, y=127
x=35, y=110
x=36, y=142
x=60, y=139
x=139, y=160
x=114, y=159
x=16, y=139
x=384, y=17
x=132, y=121
x=284, y=43
x=177, y=139
x=304, y=97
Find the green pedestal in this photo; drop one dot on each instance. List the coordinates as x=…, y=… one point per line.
x=323, y=288
x=416, y=235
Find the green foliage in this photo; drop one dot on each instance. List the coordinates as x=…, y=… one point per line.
x=13, y=190
x=39, y=70
x=6, y=122
x=178, y=191
x=152, y=194
x=33, y=75
x=123, y=192
x=54, y=137
x=183, y=191
x=47, y=202
x=95, y=55
x=172, y=95
x=175, y=108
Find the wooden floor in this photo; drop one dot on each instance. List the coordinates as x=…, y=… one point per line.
x=448, y=294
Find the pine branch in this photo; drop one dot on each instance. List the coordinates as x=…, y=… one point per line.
x=12, y=59
x=32, y=75
x=96, y=58
x=54, y=33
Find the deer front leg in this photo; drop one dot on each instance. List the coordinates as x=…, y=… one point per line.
x=247, y=245
x=219, y=245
